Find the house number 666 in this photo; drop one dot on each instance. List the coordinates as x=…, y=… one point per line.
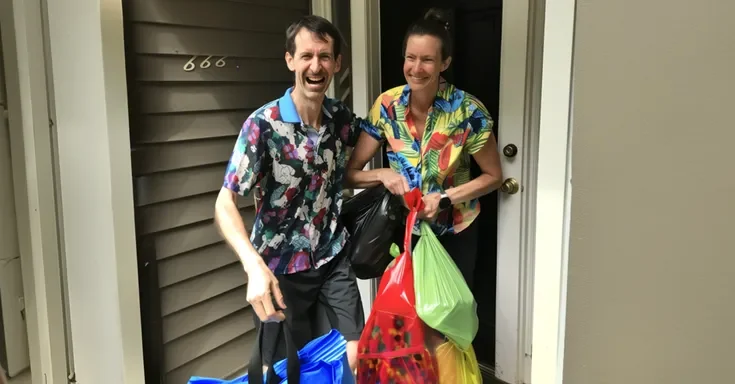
x=204, y=64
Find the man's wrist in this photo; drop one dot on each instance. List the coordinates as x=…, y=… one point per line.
x=249, y=258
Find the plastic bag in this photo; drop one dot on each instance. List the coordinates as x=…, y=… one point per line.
x=321, y=361
x=391, y=348
x=443, y=299
x=373, y=219
x=457, y=366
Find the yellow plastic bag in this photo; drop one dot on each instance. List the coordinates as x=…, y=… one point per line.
x=457, y=366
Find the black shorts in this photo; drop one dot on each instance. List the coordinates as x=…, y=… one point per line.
x=317, y=300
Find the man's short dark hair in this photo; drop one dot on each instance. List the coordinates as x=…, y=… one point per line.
x=317, y=25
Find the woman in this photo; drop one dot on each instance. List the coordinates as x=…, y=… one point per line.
x=432, y=129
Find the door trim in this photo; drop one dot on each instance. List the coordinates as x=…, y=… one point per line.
x=35, y=199
x=553, y=192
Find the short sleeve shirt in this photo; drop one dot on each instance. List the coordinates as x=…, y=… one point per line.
x=300, y=170
x=458, y=126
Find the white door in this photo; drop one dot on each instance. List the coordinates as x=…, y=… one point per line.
x=518, y=151
x=514, y=273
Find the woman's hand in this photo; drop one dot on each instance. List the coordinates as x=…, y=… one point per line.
x=431, y=206
x=394, y=181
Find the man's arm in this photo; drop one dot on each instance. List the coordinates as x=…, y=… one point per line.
x=229, y=222
x=244, y=171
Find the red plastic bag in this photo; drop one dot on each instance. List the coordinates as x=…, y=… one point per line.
x=392, y=347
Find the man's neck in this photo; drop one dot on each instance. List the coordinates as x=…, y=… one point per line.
x=310, y=111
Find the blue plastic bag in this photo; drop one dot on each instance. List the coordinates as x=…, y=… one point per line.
x=321, y=361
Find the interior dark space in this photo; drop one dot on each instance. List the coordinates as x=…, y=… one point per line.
x=475, y=68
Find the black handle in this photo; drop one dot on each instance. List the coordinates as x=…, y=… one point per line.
x=293, y=366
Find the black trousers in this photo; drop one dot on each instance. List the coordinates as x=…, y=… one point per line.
x=462, y=247
x=318, y=301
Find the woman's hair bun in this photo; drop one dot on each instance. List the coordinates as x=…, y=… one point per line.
x=438, y=16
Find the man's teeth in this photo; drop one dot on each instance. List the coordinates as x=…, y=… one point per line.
x=315, y=80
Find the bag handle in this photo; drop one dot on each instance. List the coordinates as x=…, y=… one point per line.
x=293, y=365
x=415, y=204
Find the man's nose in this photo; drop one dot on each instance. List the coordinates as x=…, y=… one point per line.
x=315, y=65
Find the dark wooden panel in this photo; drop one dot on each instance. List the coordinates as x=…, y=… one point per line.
x=207, y=339
x=171, y=68
x=178, y=40
x=188, y=126
x=171, y=243
x=201, y=288
x=192, y=318
x=191, y=264
x=213, y=14
x=182, y=97
x=217, y=363
x=177, y=213
x=163, y=186
x=279, y=4
x=170, y=156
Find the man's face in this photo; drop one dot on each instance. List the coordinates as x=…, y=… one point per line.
x=313, y=63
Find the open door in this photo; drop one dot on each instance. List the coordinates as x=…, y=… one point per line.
x=495, y=61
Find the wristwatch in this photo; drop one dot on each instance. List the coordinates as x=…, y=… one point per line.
x=444, y=202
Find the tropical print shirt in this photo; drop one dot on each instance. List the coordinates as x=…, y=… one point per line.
x=300, y=170
x=458, y=126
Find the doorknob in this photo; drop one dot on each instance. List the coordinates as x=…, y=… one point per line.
x=510, y=186
x=510, y=150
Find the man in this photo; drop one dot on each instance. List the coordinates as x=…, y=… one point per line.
x=294, y=149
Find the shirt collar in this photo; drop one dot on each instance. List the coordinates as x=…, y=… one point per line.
x=442, y=101
x=289, y=114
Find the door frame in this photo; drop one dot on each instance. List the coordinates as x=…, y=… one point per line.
x=541, y=270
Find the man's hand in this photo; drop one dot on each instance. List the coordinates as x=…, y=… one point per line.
x=394, y=182
x=431, y=206
x=262, y=290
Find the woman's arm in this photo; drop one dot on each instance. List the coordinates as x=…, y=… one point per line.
x=492, y=175
x=357, y=177
x=488, y=159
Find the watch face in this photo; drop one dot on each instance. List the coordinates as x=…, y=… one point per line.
x=444, y=203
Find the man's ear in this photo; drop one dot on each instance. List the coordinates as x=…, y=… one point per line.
x=338, y=64
x=289, y=61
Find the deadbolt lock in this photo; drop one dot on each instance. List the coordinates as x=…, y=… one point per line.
x=510, y=150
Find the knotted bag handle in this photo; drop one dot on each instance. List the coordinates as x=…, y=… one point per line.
x=415, y=204
x=293, y=365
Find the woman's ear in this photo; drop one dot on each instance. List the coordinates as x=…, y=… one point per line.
x=446, y=62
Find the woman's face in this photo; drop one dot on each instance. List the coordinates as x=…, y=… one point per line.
x=423, y=64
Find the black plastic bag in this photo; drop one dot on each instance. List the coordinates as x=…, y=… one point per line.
x=373, y=218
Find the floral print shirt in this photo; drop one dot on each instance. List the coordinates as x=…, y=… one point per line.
x=458, y=126
x=300, y=170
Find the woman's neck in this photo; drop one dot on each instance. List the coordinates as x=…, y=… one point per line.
x=422, y=101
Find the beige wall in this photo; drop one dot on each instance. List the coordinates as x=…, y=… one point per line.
x=652, y=246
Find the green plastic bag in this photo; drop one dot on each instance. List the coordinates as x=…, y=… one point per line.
x=443, y=300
